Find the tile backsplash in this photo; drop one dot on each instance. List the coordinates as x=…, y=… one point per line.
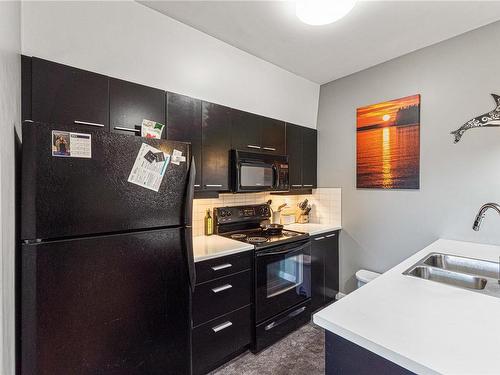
x=325, y=205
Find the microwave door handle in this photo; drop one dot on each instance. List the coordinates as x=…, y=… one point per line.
x=275, y=177
x=287, y=251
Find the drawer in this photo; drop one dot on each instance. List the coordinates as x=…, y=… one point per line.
x=216, y=341
x=274, y=329
x=218, y=267
x=221, y=296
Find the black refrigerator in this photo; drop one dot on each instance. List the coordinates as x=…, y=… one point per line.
x=106, y=264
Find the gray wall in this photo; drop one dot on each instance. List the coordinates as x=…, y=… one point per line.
x=10, y=95
x=455, y=79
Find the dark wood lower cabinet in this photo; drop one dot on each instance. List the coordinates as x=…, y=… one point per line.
x=324, y=268
x=220, y=339
x=217, y=297
x=343, y=357
x=222, y=310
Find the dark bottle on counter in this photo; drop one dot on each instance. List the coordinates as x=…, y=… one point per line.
x=209, y=224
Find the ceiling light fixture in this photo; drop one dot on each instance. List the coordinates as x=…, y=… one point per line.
x=322, y=12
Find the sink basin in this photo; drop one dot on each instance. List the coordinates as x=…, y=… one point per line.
x=481, y=276
x=449, y=277
x=464, y=265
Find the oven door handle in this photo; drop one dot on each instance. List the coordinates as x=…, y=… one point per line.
x=287, y=251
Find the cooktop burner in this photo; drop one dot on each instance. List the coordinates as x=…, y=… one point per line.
x=257, y=239
x=238, y=236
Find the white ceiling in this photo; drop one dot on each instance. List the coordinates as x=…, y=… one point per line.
x=374, y=32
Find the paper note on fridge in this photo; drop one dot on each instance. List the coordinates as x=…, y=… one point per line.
x=146, y=173
x=177, y=157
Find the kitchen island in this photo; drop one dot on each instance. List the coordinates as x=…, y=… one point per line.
x=405, y=324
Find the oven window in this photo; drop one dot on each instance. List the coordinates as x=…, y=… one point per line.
x=252, y=176
x=284, y=275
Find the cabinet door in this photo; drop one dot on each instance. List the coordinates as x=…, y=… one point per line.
x=324, y=269
x=184, y=125
x=309, y=158
x=216, y=143
x=294, y=151
x=130, y=103
x=66, y=95
x=246, y=131
x=273, y=136
x=317, y=272
x=331, y=256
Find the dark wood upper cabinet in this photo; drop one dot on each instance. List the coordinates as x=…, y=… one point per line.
x=130, y=103
x=309, y=158
x=26, y=88
x=251, y=132
x=302, y=150
x=294, y=151
x=273, y=136
x=216, y=143
x=66, y=95
x=184, y=125
x=246, y=131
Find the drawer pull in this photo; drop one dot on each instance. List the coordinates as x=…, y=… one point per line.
x=330, y=235
x=222, y=288
x=222, y=326
x=296, y=185
x=319, y=238
x=253, y=146
x=222, y=266
x=269, y=148
x=286, y=318
x=308, y=185
x=127, y=129
x=196, y=185
x=89, y=123
x=213, y=185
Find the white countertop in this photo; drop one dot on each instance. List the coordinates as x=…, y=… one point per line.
x=313, y=228
x=424, y=326
x=208, y=247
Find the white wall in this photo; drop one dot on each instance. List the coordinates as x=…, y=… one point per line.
x=455, y=79
x=10, y=116
x=130, y=41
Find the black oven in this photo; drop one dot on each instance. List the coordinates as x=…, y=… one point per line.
x=282, y=278
x=259, y=172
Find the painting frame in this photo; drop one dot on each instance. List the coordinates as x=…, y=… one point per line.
x=388, y=144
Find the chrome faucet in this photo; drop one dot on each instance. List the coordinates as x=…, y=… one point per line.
x=482, y=212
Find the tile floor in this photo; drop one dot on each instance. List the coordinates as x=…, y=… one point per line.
x=301, y=352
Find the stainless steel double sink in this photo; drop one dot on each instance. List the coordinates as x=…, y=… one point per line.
x=478, y=275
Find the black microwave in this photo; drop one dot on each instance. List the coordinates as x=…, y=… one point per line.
x=258, y=172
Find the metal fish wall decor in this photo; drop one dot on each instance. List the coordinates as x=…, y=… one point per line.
x=487, y=119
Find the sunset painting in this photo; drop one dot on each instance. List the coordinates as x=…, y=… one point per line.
x=388, y=144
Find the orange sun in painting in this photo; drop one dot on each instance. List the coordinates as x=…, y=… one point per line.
x=371, y=115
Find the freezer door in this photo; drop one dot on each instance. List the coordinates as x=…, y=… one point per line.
x=65, y=196
x=106, y=305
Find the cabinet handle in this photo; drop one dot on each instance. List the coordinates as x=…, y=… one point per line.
x=319, y=238
x=330, y=235
x=196, y=185
x=296, y=185
x=222, y=326
x=253, y=146
x=89, y=123
x=269, y=148
x=216, y=185
x=222, y=288
x=127, y=129
x=222, y=266
x=308, y=185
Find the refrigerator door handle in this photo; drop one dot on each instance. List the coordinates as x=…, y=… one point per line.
x=188, y=213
